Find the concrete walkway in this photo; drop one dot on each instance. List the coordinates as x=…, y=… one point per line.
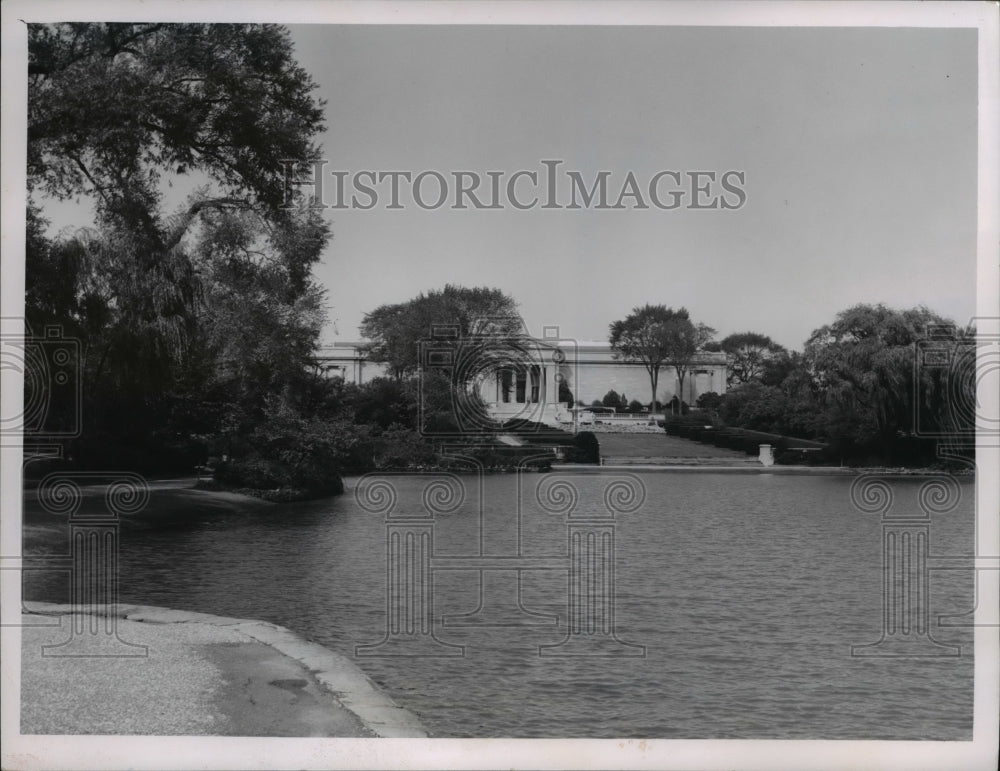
x=170, y=672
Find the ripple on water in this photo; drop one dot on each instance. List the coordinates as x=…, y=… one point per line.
x=747, y=592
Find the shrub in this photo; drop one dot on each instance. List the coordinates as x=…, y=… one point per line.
x=288, y=450
x=676, y=406
x=399, y=447
x=586, y=449
x=565, y=394
x=613, y=399
x=709, y=401
x=501, y=457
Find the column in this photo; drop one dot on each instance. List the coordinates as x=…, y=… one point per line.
x=94, y=572
x=409, y=595
x=905, y=594
x=591, y=592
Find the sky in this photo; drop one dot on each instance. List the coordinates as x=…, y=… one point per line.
x=858, y=148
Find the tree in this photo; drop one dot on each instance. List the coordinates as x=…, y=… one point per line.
x=162, y=360
x=688, y=340
x=655, y=336
x=747, y=353
x=565, y=394
x=642, y=336
x=259, y=320
x=114, y=107
x=612, y=399
x=479, y=321
x=863, y=363
x=203, y=321
x=709, y=401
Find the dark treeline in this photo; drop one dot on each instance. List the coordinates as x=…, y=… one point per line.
x=878, y=386
x=193, y=329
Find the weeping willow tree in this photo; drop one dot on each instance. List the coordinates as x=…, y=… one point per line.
x=876, y=390
x=189, y=317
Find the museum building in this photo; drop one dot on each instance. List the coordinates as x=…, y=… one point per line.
x=528, y=385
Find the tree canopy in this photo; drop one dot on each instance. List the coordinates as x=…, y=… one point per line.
x=113, y=108
x=656, y=336
x=864, y=363
x=747, y=354
x=197, y=325
x=863, y=386
x=448, y=316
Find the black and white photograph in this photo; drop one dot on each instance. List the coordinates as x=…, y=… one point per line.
x=500, y=385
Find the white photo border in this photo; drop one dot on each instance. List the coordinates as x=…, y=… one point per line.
x=107, y=752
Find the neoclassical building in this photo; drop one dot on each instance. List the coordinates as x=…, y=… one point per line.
x=526, y=383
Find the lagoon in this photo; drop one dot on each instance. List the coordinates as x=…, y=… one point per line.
x=747, y=592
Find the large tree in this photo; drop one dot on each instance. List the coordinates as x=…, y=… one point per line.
x=456, y=316
x=195, y=315
x=864, y=364
x=657, y=336
x=747, y=354
x=114, y=109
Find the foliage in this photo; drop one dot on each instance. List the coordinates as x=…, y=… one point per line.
x=289, y=450
x=586, y=449
x=656, y=336
x=709, y=401
x=383, y=402
x=747, y=353
x=477, y=322
x=864, y=363
x=197, y=330
x=861, y=388
x=565, y=394
x=114, y=107
x=679, y=407
x=613, y=399
x=449, y=407
x=397, y=447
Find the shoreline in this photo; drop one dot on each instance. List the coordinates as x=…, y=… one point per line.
x=775, y=469
x=593, y=468
x=340, y=685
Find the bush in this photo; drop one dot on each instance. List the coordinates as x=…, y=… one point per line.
x=676, y=406
x=709, y=401
x=383, y=402
x=565, y=394
x=613, y=399
x=538, y=433
x=398, y=447
x=501, y=458
x=288, y=450
x=585, y=449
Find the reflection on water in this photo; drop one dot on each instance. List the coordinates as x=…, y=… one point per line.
x=747, y=592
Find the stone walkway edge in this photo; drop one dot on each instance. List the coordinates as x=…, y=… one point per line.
x=338, y=674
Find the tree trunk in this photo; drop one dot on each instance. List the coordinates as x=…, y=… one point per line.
x=680, y=390
x=654, y=379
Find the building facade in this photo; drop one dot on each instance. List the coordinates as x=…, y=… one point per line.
x=528, y=385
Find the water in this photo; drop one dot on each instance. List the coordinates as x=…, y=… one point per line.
x=746, y=590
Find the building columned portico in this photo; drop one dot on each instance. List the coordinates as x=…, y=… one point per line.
x=527, y=385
